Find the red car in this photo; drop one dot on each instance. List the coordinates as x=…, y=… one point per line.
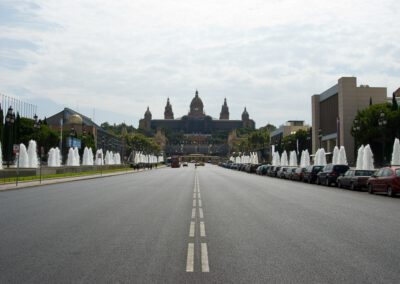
x=385, y=180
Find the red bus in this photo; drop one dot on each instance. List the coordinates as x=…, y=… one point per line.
x=175, y=163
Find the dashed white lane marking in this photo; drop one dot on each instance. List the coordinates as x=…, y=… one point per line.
x=202, y=229
x=190, y=258
x=194, y=195
x=204, y=258
x=201, y=215
x=194, y=202
x=194, y=213
x=192, y=229
x=200, y=203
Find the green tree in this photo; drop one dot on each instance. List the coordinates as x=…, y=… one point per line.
x=395, y=106
x=380, y=137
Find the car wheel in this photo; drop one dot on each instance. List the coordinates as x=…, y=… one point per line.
x=370, y=189
x=318, y=181
x=327, y=183
x=352, y=186
x=390, y=191
x=339, y=184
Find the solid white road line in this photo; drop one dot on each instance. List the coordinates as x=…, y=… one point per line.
x=190, y=258
x=204, y=258
x=192, y=229
x=199, y=202
x=201, y=213
x=202, y=229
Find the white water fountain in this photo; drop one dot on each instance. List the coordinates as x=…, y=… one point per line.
x=396, y=153
x=342, y=160
x=73, y=157
x=368, y=159
x=284, y=159
x=360, y=158
x=23, y=157
x=335, y=156
x=32, y=154
x=51, y=158
x=87, y=159
x=54, y=158
x=99, y=160
x=320, y=158
x=277, y=159
x=293, y=159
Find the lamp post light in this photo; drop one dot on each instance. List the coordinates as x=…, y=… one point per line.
x=10, y=119
x=320, y=137
x=382, y=122
x=36, y=126
x=356, y=129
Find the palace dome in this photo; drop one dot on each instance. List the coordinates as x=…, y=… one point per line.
x=196, y=106
x=74, y=119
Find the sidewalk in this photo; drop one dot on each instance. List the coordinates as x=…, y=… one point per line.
x=25, y=184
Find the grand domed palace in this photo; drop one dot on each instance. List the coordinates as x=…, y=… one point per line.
x=196, y=121
x=196, y=132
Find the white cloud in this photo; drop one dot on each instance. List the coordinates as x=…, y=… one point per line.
x=271, y=56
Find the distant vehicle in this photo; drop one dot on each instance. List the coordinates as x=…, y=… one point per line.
x=298, y=174
x=354, y=179
x=272, y=171
x=385, y=180
x=175, y=163
x=262, y=170
x=185, y=164
x=200, y=164
x=330, y=173
x=289, y=172
x=282, y=171
x=310, y=174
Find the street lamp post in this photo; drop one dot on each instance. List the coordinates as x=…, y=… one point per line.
x=382, y=122
x=356, y=129
x=36, y=126
x=320, y=137
x=10, y=119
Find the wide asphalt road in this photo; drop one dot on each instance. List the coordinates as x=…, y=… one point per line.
x=204, y=225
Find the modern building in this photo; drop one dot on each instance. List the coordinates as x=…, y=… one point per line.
x=334, y=110
x=73, y=124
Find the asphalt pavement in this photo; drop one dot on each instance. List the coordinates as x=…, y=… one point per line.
x=204, y=225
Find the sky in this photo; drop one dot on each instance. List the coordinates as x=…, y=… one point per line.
x=111, y=59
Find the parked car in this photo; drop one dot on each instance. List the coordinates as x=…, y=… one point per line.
x=310, y=173
x=385, y=180
x=289, y=172
x=330, y=173
x=281, y=172
x=298, y=174
x=262, y=170
x=272, y=172
x=354, y=179
x=185, y=164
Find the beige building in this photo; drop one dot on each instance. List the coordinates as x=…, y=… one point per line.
x=290, y=127
x=334, y=110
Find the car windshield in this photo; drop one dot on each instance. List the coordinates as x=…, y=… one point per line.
x=363, y=173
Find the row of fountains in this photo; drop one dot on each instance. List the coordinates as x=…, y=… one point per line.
x=28, y=157
x=245, y=159
x=365, y=157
